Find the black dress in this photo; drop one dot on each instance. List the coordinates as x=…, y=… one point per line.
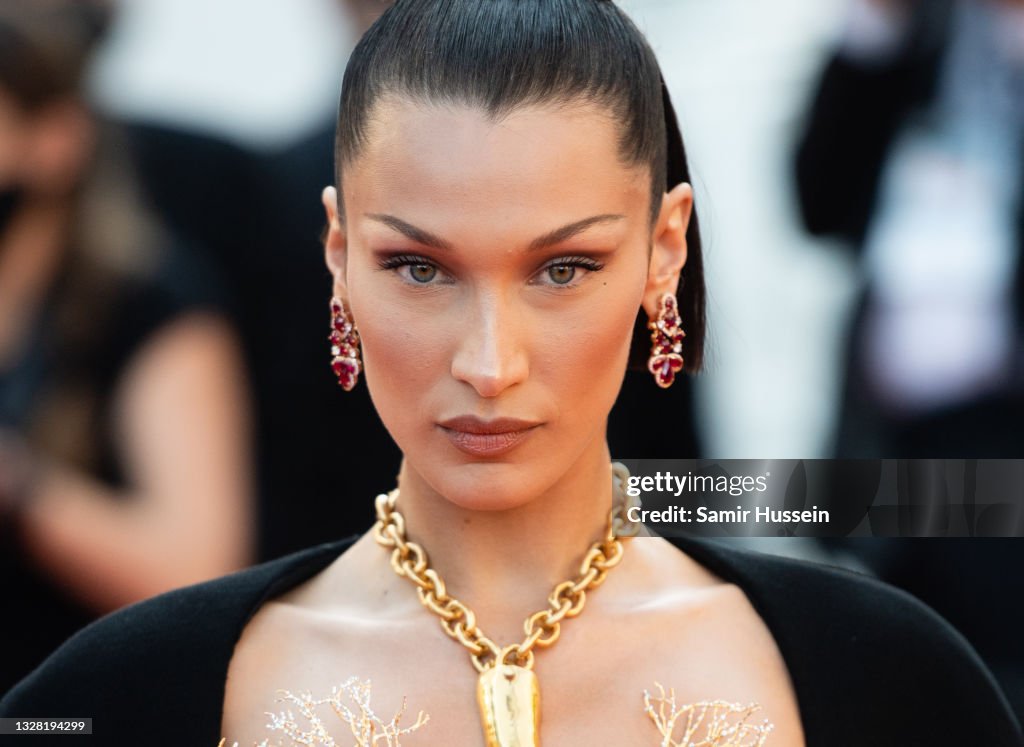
x=871, y=666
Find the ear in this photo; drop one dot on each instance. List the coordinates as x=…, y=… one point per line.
x=335, y=243
x=668, y=253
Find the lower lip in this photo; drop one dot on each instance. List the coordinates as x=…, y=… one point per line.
x=486, y=444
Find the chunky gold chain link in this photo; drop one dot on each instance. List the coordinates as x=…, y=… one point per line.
x=542, y=628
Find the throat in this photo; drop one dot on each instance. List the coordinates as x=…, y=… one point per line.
x=505, y=562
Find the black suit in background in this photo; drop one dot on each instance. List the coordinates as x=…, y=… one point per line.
x=855, y=116
x=323, y=452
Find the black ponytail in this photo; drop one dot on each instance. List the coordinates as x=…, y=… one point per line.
x=691, y=281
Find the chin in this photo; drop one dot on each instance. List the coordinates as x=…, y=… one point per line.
x=487, y=486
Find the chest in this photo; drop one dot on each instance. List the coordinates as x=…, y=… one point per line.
x=592, y=683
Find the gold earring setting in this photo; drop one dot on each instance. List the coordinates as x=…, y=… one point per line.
x=666, y=342
x=344, y=339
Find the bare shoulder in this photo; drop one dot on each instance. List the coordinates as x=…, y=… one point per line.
x=304, y=640
x=703, y=624
x=761, y=669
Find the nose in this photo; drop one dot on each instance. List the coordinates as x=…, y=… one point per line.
x=490, y=355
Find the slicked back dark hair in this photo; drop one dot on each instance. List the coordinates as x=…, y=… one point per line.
x=500, y=55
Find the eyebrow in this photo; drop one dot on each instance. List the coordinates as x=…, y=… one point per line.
x=556, y=236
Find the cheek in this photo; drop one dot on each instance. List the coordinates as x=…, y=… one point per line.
x=405, y=353
x=581, y=357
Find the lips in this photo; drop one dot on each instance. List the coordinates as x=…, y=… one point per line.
x=478, y=437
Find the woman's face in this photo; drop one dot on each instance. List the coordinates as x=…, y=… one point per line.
x=494, y=271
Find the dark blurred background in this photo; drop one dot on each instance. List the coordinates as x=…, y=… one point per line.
x=167, y=412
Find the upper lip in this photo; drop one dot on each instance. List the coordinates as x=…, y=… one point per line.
x=473, y=424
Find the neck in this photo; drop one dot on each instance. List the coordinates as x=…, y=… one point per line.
x=503, y=564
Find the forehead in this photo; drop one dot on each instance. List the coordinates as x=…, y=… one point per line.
x=431, y=158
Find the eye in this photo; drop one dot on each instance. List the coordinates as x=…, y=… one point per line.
x=561, y=274
x=422, y=273
x=567, y=272
x=412, y=269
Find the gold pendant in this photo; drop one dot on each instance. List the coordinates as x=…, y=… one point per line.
x=509, y=700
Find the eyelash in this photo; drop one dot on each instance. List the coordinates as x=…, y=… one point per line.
x=399, y=261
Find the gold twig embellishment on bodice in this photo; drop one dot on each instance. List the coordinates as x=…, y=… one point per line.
x=715, y=723
x=368, y=729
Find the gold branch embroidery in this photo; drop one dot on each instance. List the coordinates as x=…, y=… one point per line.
x=724, y=724
x=715, y=723
x=368, y=729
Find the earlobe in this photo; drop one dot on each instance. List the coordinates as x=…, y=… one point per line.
x=335, y=243
x=668, y=252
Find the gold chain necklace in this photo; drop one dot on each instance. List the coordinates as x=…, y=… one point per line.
x=507, y=690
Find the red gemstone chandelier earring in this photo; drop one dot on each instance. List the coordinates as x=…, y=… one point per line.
x=666, y=342
x=344, y=346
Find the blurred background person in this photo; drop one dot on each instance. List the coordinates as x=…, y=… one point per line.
x=914, y=153
x=124, y=458
x=236, y=159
